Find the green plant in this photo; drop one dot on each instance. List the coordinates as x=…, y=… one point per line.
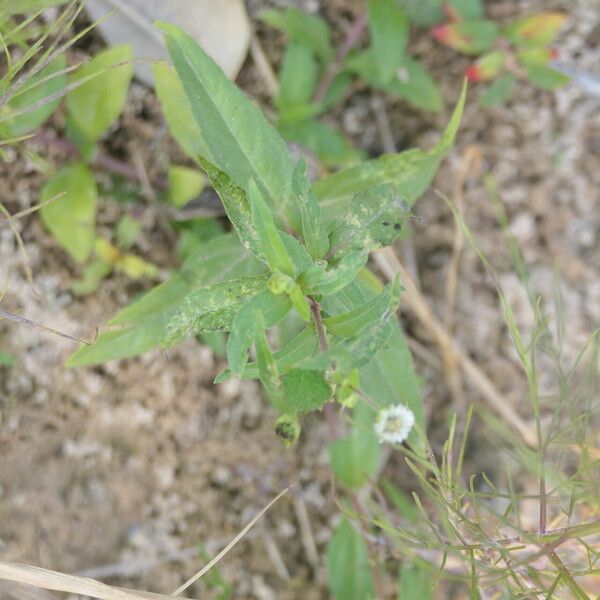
x=314, y=77
x=519, y=50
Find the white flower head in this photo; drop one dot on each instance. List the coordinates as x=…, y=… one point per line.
x=393, y=423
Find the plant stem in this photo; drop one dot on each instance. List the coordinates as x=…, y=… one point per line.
x=334, y=67
x=315, y=310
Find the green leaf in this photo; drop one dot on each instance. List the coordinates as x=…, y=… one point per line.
x=468, y=37
x=331, y=147
x=414, y=582
x=267, y=369
x=401, y=501
x=273, y=309
x=304, y=345
x=304, y=29
x=388, y=25
x=70, y=219
x=536, y=30
x=499, y=91
x=93, y=274
x=96, y=104
x=212, y=308
x=298, y=77
x=269, y=239
x=185, y=184
x=350, y=576
x=143, y=323
x=546, y=78
x=6, y=360
x=241, y=142
x=422, y=13
x=467, y=10
x=304, y=391
x=319, y=280
x=313, y=232
x=175, y=105
x=354, y=458
x=410, y=80
x=411, y=172
x=349, y=324
x=127, y=232
x=374, y=220
x=36, y=91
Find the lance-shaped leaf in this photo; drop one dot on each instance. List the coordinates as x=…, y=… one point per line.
x=464, y=10
x=536, y=30
x=499, y=91
x=469, y=37
x=236, y=206
x=265, y=361
x=313, y=231
x=319, y=280
x=388, y=25
x=270, y=243
x=354, y=458
x=374, y=220
x=242, y=143
x=310, y=31
x=297, y=79
x=301, y=347
x=273, y=309
x=212, y=308
x=350, y=575
x=349, y=324
x=411, y=171
x=545, y=77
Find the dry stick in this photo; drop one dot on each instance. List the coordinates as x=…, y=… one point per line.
x=229, y=546
x=39, y=326
x=29, y=210
x=60, y=582
x=306, y=535
x=389, y=264
x=264, y=66
x=352, y=38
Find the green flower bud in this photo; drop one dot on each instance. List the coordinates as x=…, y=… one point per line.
x=287, y=427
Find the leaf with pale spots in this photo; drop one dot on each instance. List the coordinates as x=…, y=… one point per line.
x=374, y=220
x=319, y=280
x=212, y=308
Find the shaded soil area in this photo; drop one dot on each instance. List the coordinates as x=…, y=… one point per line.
x=131, y=465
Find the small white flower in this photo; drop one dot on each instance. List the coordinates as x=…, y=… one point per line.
x=393, y=423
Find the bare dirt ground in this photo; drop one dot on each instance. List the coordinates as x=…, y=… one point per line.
x=133, y=464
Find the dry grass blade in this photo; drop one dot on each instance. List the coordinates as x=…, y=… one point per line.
x=389, y=264
x=28, y=211
x=229, y=546
x=39, y=326
x=60, y=582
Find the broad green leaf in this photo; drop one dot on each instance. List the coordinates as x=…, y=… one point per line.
x=535, y=55
x=422, y=13
x=350, y=576
x=302, y=28
x=142, y=324
x=304, y=391
x=175, y=105
x=241, y=142
x=349, y=324
x=466, y=10
x=70, y=219
x=39, y=88
x=304, y=345
x=185, y=184
x=468, y=37
x=374, y=220
x=273, y=309
x=298, y=77
x=499, y=91
x=410, y=80
x=236, y=206
x=127, y=232
x=411, y=172
x=269, y=240
x=96, y=104
x=536, y=30
x=319, y=280
x=414, y=582
x=296, y=251
x=388, y=25
x=332, y=148
x=313, y=231
x=212, y=308
x=354, y=458
x=546, y=78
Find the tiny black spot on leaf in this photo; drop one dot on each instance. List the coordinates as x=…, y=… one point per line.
x=397, y=226
x=385, y=223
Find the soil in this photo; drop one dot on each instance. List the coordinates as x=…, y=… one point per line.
x=120, y=471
